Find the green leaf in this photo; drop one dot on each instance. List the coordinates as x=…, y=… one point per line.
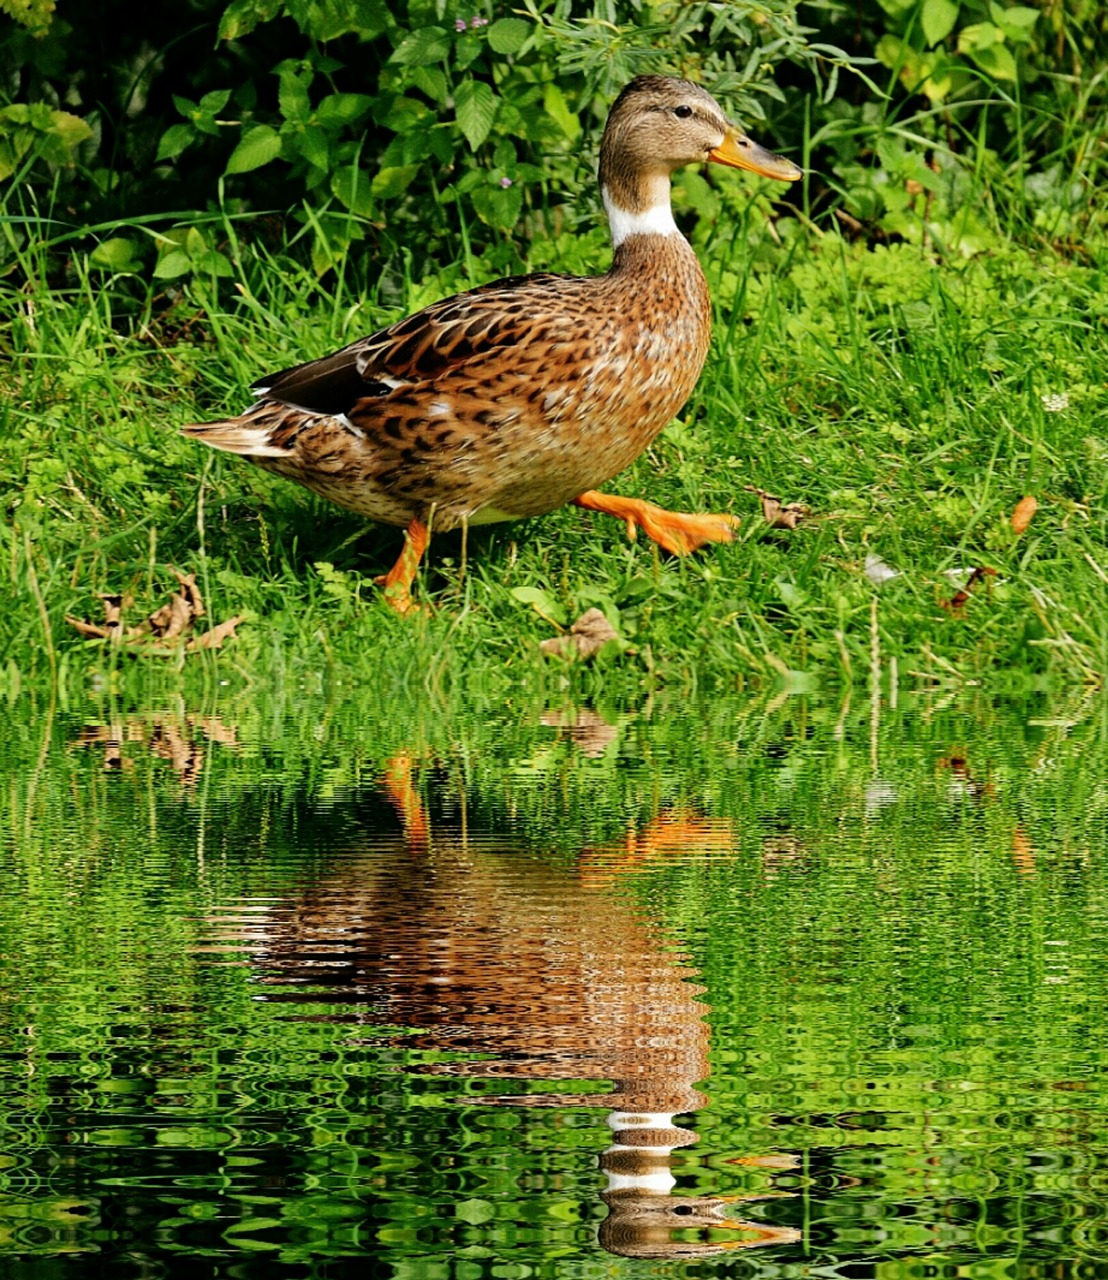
x=1016, y=23
x=996, y=61
x=431, y=81
x=981, y=35
x=292, y=93
x=213, y=263
x=391, y=182
x=117, y=254
x=328, y=19
x=937, y=18
x=313, y=144
x=242, y=16
x=175, y=139
x=353, y=189
x=338, y=109
x=211, y=104
x=475, y=109
x=509, y=35
x=172, y=264
x=428, y=44
x=195, y=244
x=542, y=602
x=258, y=146
x=554, y=101
x=499, y=206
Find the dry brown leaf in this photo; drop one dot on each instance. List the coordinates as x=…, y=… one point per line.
x=171, y=619
x=588, y=635
x=1021, y=516
x=89, y=628
x=168, y=624
x=215, y=637
x=778, y=514
x=191, y=592
x=113, y=609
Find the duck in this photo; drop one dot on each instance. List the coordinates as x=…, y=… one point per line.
x=521, y=396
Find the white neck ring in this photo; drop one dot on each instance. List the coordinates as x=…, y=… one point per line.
x=657, y=220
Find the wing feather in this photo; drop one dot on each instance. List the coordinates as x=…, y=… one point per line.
x=470, y=326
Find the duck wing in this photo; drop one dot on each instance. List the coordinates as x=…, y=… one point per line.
x=472, y=326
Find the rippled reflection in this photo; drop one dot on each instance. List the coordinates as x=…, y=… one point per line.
x=535, y=973
x=332, y=990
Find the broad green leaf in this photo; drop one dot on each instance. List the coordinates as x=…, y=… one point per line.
x=328, y=19
x=499, y=206
x=258, y=146
x=428, y=44
x=353, y=189
x=35, y=15
x=242, y=16
x=475, y=108
x=981, y=35
x=404, y=115
x=542, y=602
x=195, y=244
x=213, y=263
x=338, y=109
x=211, y=104
x=117, y=254
x=431, y=81
x=391, y=182
x=172, y=264
x=554, y=102
x=937, y=17
x=69, y=129
x=314, y=146
x=509, y=35
x=996, y=61
x=175, y=139
x=292, y=93
x=1016, y=23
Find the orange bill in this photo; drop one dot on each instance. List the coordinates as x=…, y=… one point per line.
x=740, y=152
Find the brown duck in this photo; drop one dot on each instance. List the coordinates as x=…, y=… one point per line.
x=526, y=394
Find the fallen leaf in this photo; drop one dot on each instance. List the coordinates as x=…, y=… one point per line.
x=88, y=628
x=778, y=514
x=191, y=592
x=588, y=635
x=171, y=619
x=113, y=609
x=168, y=624
x=1021, y=516
x=215, y=637
x=959, y=598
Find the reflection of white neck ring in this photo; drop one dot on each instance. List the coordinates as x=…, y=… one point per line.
x=659, y=1183
x=619, y=1120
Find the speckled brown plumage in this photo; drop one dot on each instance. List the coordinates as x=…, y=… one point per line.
x=515, y=398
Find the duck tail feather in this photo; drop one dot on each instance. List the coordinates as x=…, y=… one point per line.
x=233, y=435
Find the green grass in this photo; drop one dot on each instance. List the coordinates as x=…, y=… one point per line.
x=909, y=394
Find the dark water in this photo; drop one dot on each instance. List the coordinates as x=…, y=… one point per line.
x=756, y=990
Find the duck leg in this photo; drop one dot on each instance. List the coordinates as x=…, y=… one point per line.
x=398, y=581
x=676, y=531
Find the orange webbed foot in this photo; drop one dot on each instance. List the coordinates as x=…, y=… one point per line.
x=398, y=581
x=675, y=531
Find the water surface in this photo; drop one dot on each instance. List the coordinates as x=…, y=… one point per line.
x=745, y=989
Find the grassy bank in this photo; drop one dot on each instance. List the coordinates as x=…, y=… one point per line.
x=909, y=395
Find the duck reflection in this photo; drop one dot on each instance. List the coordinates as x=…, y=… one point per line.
x=548, y=973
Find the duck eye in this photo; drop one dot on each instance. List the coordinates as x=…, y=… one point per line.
x=683, y=112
